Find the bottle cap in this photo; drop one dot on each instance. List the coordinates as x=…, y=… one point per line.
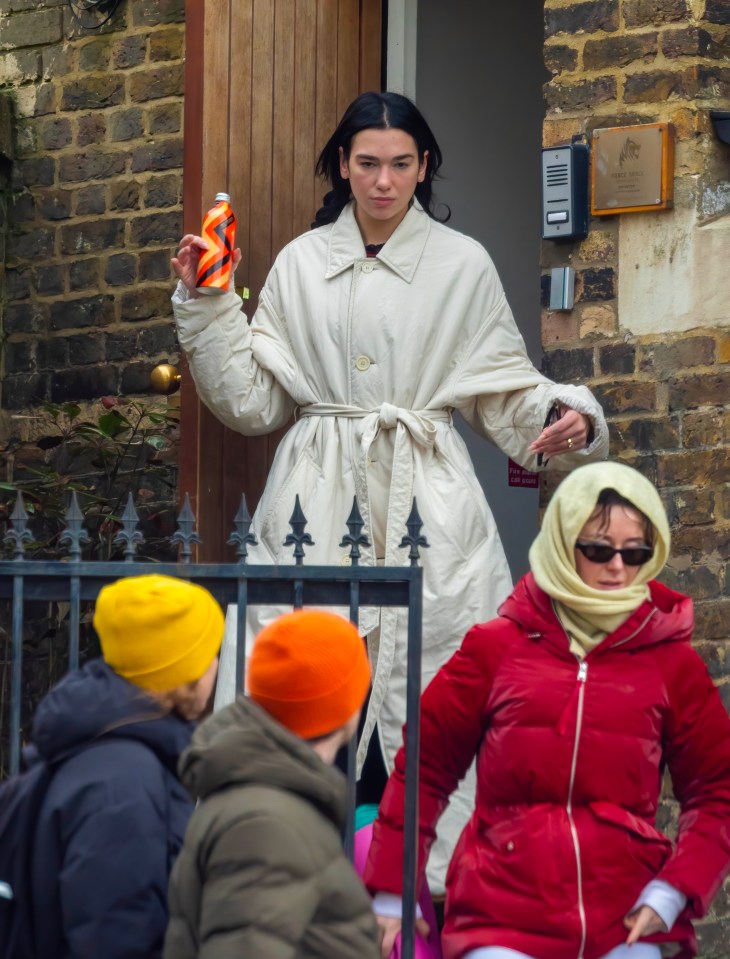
x=222, y=197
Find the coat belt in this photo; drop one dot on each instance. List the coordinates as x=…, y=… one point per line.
x=412, y=426
x=419, y=423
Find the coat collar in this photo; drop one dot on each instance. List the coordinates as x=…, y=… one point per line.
x=665, y=616
x=401, y=253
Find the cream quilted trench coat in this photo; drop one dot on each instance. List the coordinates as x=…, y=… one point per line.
x=373, y=355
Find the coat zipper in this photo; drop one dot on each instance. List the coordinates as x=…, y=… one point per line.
x=581, y=682
x=635, y=632
x=582, y=676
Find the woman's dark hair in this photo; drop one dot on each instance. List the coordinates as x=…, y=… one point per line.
x=607, y=499
x=376, y=111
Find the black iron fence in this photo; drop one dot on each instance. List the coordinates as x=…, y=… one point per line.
x=77, y=582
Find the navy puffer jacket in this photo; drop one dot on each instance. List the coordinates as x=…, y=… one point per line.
x=112, y=821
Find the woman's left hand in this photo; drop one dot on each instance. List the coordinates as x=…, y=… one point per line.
x=643, y=922
x=569, y=434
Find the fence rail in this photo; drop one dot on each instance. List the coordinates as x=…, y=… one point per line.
x=74, y=580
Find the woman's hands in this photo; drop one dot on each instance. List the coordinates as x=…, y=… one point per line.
x=568, y=434
x=389, y=927
x=185, y=264
x=643, y=922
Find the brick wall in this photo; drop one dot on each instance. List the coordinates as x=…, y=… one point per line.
x=650, y=331
x=95, y=204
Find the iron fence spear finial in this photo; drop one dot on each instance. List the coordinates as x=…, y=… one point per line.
x=185, y=534
x=242, y=537
x=355, y=538
x=129, y=536
x=298, y=538
x=74, y=534
x=18, y=534
x=414, y=524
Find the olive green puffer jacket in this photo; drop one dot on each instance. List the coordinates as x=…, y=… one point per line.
x=262, y=874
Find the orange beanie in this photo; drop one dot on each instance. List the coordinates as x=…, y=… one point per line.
x=310, y=671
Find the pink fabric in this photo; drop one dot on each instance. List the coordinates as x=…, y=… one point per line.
x=429, y=948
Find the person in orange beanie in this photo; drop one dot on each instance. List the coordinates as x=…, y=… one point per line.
x=262, y=871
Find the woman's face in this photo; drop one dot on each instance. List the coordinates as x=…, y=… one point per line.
x=625, y=528
x=383, y=169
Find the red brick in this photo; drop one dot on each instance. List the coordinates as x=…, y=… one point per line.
x=639, y=13
x=582, y=17
x=699, y=582
x=698, y=468
x=705, y=428
x=717, y=11
x=692, y=507
x=586, y=93
x=154, y=84
x=609, y=52
x=701, y=544
x=685, y=42
x=561, y=327
x=660, y=85
x=713, y=82
x=619, y=398
x=648, y=434
x=663, y=359
x=708, y=389
x=711, y=623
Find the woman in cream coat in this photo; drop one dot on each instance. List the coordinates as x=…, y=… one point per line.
x=371, y=330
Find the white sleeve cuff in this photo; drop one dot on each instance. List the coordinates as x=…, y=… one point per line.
x=390, y=905
x=180, y=294
x=666, y=901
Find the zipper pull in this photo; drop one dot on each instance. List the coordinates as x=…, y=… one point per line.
x=562, y=726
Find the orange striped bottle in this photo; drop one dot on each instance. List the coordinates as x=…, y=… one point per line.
x=219, y=232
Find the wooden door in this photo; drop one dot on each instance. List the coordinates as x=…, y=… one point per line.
x=265, y=83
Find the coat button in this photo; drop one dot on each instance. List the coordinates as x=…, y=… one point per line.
x=367, y=267
x=346, y=561
x=510, y=846
x=362, y=363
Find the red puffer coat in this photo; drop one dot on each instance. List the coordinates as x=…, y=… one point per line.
x=570, y=763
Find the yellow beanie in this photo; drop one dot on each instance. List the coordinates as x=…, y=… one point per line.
x=158, y=632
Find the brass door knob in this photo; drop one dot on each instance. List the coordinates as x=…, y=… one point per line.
x=165, y=378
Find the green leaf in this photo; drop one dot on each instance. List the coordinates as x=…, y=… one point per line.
x=112, y=424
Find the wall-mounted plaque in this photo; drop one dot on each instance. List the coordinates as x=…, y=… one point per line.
x=632, y=169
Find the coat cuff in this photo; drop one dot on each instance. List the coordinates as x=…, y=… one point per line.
x=666, y=901
x=579, y=398
x=389, y=905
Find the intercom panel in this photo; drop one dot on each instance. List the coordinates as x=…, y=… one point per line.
x=565, y=192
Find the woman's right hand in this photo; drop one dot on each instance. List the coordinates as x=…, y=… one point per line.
x=185, y=264
x=389, y=927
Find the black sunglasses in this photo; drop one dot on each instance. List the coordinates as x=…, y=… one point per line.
x=600, y=553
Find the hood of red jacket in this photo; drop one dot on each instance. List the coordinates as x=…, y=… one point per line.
x=667, y=616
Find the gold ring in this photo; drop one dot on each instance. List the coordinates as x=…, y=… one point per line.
x=570, y=443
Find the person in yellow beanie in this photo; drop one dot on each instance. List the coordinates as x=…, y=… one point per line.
x=262, y=871
x=115, y=813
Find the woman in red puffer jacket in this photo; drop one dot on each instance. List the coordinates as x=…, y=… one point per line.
x=574, y=701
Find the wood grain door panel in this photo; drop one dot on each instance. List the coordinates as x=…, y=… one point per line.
x=265, y=83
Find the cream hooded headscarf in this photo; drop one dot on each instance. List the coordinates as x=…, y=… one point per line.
x=589, y=614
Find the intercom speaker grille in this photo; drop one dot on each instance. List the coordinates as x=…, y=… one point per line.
x=557, y=174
